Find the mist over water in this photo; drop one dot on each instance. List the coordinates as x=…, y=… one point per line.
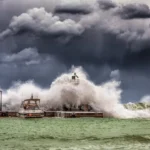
x=104, y=98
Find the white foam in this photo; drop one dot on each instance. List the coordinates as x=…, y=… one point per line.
x=105, y=97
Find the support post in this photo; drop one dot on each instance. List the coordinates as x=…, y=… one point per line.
x=0, y=100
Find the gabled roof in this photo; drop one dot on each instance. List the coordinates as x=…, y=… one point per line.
x=35, y=99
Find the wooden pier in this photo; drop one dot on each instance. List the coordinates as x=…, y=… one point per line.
x=62, y=114
x=78, y=114
x=8, y=114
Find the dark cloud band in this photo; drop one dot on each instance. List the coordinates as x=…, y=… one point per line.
x=134, y=11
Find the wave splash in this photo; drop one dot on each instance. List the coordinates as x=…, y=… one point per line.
x=104, y=98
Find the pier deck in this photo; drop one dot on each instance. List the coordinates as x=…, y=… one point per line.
x=63, y=114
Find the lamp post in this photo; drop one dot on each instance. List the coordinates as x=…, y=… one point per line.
x=0, y=100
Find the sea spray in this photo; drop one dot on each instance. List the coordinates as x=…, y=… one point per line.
x=104, y=98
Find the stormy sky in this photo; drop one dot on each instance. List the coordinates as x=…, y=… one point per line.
x=39, y=40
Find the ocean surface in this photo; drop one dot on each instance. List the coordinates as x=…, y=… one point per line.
x=74, y=134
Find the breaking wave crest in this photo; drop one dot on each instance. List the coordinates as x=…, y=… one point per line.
x=104, y=98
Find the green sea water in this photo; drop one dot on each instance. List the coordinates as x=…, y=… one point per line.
x=74, y=134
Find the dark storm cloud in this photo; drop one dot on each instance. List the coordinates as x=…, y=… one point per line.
x=99, y=35
x=106, y=4
x=29, y=64
x=74, y=8
x=41, y=22
x=134, y=11
x=43, y=73
x=108, y=30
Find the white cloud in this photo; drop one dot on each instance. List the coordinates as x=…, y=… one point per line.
x=42, y=22
x=115, y=74
x=145, y=99
x=26, y=54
